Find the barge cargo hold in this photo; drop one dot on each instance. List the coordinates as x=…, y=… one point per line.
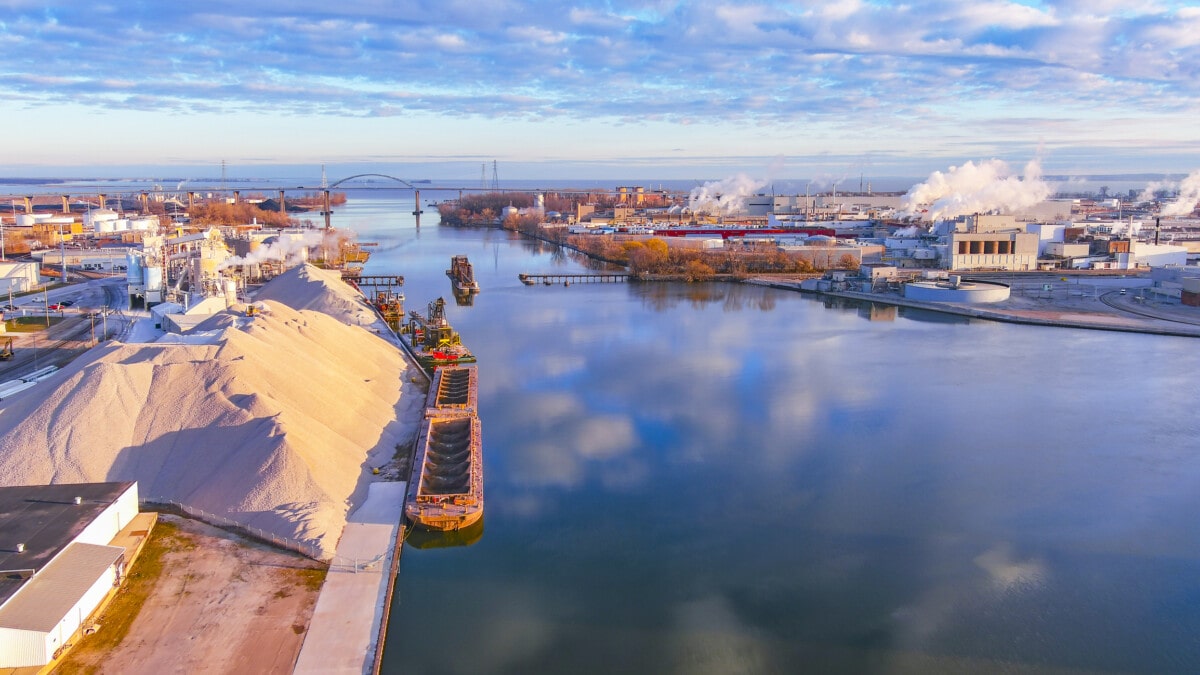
x=447, y=492
x=454, y=391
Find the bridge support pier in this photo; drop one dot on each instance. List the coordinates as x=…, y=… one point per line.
x=327, y=210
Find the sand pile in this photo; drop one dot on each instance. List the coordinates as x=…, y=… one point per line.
x=275, y=423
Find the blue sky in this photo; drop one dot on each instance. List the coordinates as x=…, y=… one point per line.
x=433, y=88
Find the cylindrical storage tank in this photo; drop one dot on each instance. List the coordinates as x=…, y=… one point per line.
x=230, y=292
x=154, y=277
x=133, y=268
x=973, y=292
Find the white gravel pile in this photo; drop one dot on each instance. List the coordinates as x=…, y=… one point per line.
x=275, y=422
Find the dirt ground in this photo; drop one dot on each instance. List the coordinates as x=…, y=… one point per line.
x=222, y=604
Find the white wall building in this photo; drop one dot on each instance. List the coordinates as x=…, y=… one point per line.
x=18, y=277
x=1157, y=255
x=60, y=561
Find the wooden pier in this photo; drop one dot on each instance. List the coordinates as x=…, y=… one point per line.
x=568, y=279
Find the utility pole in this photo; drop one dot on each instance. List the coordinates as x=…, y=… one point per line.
x=62, y=250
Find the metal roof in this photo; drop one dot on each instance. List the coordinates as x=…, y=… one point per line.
x=47, y=598
x=45, y=518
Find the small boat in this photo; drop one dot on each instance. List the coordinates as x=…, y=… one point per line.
x=462, y=275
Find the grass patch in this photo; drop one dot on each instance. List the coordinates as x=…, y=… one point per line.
x=29, y=324
x=311, y=578
x=118, y=617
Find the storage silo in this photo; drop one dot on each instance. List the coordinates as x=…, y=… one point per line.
x=133, y=268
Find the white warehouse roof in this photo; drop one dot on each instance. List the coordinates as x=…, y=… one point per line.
x=47, y=597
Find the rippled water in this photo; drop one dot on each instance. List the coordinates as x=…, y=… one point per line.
x=728, y=479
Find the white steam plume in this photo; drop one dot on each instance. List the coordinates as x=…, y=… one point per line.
x=286, y=248
x=1185, y=203
x=911, y=231
x=724, y=196
x=976, y=188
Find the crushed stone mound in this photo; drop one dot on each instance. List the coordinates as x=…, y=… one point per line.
x=274, y=424
x=307, y=287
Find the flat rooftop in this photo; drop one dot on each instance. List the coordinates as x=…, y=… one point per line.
x=45, y=518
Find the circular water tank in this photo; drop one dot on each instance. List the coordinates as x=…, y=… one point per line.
x=963, y=291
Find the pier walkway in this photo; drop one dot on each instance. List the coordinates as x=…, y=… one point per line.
x=548, y=279
x=345, y=628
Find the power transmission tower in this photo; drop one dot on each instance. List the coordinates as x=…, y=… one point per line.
x=495, y=177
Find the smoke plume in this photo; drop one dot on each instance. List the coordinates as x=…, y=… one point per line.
x=976, y=188
x=724, y=196
x=1185, y=203
x=286, y=248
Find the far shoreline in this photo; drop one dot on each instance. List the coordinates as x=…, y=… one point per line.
x=1135, y=323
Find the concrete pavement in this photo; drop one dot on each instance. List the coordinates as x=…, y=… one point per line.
x=345, y=624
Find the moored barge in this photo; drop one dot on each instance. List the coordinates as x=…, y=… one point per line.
x=446, y=491
x=462, y=275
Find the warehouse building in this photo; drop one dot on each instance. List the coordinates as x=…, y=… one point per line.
x=57, y=564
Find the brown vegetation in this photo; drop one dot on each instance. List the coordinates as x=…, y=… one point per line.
x=642, y=257
x=242, y=213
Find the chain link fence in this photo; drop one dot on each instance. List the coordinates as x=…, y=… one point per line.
x=171, y=506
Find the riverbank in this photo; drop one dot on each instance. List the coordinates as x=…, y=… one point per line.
x=1110, y=310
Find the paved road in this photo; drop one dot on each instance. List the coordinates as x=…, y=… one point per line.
x=90, y=319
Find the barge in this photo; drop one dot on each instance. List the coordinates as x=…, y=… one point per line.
x=453, y=392
x=462, y=275
x=446, y=492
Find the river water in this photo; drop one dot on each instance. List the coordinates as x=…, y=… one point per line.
x=729, y=479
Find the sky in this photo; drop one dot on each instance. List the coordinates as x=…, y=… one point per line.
x=673, y=90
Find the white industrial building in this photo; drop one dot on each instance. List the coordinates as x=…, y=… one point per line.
x=111, y=260
x=996, y=242
x=19, y=277
x=58, y=562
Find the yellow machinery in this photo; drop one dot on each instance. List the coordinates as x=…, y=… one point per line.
x=7, y=352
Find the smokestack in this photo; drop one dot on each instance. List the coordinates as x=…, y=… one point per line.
x=1157, y=223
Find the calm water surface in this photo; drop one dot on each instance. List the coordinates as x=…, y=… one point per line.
x=728, y=479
